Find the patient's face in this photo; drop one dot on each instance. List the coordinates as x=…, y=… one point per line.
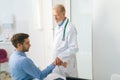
x=26, y=45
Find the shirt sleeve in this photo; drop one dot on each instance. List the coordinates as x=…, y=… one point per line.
x=29, y=67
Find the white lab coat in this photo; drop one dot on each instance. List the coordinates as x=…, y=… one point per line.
x=66, y=50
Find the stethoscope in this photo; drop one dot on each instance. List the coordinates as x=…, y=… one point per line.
x=63, y=38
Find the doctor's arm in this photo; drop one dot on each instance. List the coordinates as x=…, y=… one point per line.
x=72, y=46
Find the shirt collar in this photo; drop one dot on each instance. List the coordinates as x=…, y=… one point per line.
x=20, y=53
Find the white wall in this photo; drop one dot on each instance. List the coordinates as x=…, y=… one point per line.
x=5, y=11
x=82, y=19
x=41, y=33
x=22, y=10
x=106, y=39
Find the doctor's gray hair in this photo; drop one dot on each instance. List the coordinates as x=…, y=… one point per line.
x=60, y=8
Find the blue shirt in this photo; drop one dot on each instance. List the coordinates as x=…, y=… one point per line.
x=22, y=68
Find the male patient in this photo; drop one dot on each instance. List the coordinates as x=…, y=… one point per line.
x=20, y=66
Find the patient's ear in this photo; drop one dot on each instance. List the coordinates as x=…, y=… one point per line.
x=19, y=45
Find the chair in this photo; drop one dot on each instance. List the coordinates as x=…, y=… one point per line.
x=3, y=57
x=115, y=76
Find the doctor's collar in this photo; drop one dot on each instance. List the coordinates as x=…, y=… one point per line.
x=61, y=23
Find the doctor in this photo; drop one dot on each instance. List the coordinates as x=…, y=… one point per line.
x=65, y=43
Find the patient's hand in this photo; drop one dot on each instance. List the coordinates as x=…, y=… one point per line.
x=57, y=62
x=60, y=62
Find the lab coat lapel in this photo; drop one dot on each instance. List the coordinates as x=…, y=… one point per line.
x=58, y=37
x=59, y=30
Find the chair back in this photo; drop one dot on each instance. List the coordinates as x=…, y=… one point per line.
x=3, y=56
x=115, y=76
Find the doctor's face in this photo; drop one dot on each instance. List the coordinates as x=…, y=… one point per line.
x=59, y=16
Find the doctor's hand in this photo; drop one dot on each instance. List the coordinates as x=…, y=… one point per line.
x=58, y=61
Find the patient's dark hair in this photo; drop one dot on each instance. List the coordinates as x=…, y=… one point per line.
x=18, y=38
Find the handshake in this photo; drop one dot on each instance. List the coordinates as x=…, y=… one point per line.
x=59, y=62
